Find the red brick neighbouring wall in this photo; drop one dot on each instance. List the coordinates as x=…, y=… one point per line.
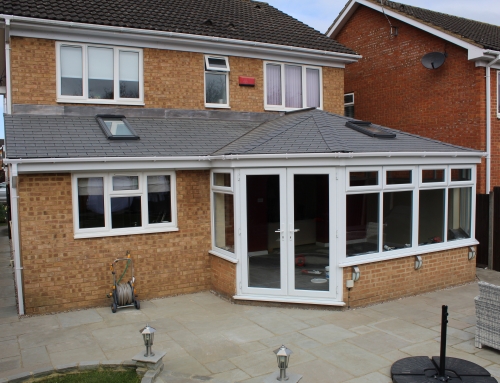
x=391, y=87
x=62, y=273
x=382, y=281
x=223, y=276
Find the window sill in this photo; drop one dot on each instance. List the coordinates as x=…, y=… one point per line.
x=278, y=108
x=223, y=256
x=217, y=106
x=389, y=255
x=99, y=101
x=117, y=233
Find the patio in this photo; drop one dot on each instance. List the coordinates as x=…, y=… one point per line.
x=205, y=336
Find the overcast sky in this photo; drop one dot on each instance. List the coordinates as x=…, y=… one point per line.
x=320, y=14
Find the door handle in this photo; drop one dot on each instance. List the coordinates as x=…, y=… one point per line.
x=294, y=231
x=279, y=231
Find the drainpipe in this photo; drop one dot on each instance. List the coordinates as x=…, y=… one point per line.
x=7, y=67
x=15, y=235
x=488, y=119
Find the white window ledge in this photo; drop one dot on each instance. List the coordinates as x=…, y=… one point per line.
x=217, y=106
x=223, y=256
x=389, y=255
x=117, y=233
x=99, y=101
x=270, y=298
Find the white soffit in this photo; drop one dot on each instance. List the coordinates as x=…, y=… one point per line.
x=141, y=38
x=474, y=51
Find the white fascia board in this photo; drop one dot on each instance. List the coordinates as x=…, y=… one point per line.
x=474, y=51
x=101, y=34
x=37, y=165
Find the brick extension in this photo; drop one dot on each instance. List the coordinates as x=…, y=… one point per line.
x=393, y=88
x=62, y=273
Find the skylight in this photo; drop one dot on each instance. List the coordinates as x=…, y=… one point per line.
x=367, y=128
x=116, y=127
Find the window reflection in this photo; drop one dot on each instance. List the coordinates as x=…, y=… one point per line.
x=362, y=223
x=397, y=220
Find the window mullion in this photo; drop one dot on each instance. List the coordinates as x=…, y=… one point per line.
x=380, y=222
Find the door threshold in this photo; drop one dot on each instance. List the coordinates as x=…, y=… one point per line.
x=309, y=301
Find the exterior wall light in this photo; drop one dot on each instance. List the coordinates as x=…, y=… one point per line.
x=355, y=273
x=148, y=334
x=418, y=262
x=283, y=356
x=472, y=253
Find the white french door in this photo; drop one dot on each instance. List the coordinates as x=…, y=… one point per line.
x=287, y=221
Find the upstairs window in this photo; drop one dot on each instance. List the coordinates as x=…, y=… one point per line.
x=291, y=87
x=216, y=82
x=99, y=74
x=349, y=105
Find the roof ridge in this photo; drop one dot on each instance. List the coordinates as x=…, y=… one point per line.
x=341, y=141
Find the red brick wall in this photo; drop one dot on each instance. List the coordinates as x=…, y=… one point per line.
x=382, y=281
x=392, y=87
x=62, y=273
x=223, y=276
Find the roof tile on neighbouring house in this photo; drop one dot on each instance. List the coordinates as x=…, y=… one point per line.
x=232, y=19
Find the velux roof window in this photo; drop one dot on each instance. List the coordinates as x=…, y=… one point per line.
x=116, y=127
x=367, y=128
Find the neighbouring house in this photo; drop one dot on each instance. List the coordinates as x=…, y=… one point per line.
x=207, y=138
x=457, y=102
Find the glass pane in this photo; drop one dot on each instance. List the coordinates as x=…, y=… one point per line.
x=222, y=179
x=263, y=220
x=129, y=74
x=313, y=89
x=293, y=86
x=397, y=220
x=396, y=177
x=431, y=216
x=71, y=71
x=461, y=175
x=159, y=199
x=224, y=221
x=459, y=213
x=273, y=84
x=125, y=212
x=118, y=127
x=363, y=178
x=311, y=225
x=348, y=98
x=433, y=175
x=125, y=182
x=217, y=63
x=349, y=111
x=90, y=202
x=362, y=223
x=101, y=73
x=215, y=88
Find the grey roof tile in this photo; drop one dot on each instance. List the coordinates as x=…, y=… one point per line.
x=308, y=131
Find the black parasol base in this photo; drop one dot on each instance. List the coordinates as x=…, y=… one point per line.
x=421, y=369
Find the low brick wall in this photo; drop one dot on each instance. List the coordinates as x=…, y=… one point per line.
x=386, y=280
x=62, y=273
x=223, y=276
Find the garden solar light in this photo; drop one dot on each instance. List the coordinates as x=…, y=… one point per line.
x=283, y=356
x=148, y=334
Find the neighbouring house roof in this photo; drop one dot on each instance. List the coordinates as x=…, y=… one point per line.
x=232, y=19
x=307, y=131
x=482, y=34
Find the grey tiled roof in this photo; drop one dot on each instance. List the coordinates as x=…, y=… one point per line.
x=309, y=131
x=486, y=35
x=233, y=19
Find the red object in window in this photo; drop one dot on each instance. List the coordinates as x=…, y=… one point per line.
x=247, y=81
x=300, y=261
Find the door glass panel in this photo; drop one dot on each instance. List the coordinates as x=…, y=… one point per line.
x=311, y=226
x=263, y=222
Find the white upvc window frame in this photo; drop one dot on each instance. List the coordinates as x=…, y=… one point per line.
x=282, y=107
x=363, y=189
x=84, y=99
x=142, y=191
x=222, y=253
x=222, y=71
x=415, y=187
x=346, y=104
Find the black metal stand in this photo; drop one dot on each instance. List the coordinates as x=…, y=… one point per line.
x=421, y=369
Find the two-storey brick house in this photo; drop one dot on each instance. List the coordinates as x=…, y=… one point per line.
x=206, y=138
